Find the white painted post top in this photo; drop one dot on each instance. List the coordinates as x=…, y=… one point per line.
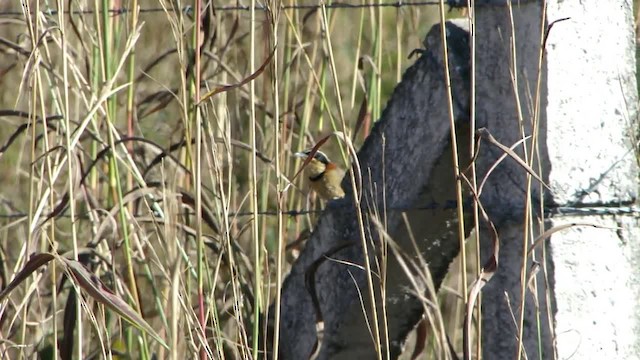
x=591, y=102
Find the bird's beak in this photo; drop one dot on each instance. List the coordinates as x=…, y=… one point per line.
x=300, y=155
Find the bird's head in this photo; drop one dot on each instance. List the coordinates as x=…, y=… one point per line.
x=318, y=164
x=324, y=176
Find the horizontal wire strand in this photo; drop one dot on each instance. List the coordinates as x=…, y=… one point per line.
x=188, y=10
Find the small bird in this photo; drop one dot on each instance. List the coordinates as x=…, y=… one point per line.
x=325, y=177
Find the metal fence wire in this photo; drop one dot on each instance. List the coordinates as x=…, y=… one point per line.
x=190, y=11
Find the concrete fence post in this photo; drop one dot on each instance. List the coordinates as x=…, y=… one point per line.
x=588, y=107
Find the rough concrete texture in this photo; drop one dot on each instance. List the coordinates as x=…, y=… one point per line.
x=591, y=102
x=504, y=194
x=591, y=117
x=496, y=104
x=587, y=115
x=597, y=287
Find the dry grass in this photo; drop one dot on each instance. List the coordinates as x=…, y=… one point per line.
x=166, y=225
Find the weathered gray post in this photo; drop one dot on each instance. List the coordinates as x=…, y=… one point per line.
x=587, y=118
x=408, y=155
x=588, y=108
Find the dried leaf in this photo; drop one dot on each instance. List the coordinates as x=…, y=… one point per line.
x=241, y=83
x=313, y=151
x=35, y=261
x=94, y=287
x=364, y=117
x=545, y=235
x=535, y=269
x=485, y=134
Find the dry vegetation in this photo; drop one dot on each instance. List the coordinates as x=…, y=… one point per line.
x=114, y=159
x=100, y=164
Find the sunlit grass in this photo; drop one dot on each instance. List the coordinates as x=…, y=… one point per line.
x=175, y=203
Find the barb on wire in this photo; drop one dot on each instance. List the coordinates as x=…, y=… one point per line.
x=188, y=10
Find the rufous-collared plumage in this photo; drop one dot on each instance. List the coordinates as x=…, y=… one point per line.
x=324, y=176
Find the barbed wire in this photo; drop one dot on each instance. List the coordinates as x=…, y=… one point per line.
x=188, y=10
x=449, y=205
